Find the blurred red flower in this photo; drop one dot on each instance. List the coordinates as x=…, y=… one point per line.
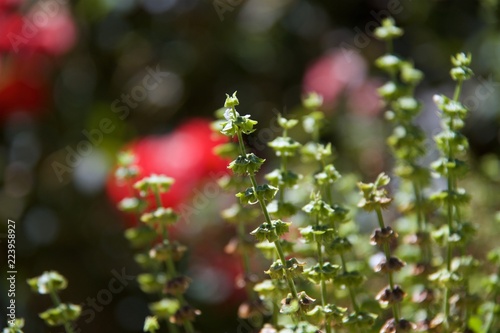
x=186, y=155
x=333, y=73
x=27, y=43
x=343, y=72
x=24, y=85
x=48, y=27
x=8, y=4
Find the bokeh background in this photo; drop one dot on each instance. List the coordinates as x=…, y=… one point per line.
x=80, y=80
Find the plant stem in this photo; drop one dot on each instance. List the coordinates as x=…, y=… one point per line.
x=171, y=270
x=319, y=251
x=245, y=258
x=387, y=251
x=57, y=302
x=328, y=327
x=451, y=183
x=352, y=293
x=277, y=244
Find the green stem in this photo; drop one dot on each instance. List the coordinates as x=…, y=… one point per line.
x=418, y=206
x=57, y=302
x=171, y=270
x=451, y=187
x=276, y=310
x=491, y=319
x=387, y=251
x=422, y=224
x=352, y=293
x=458, y=90
x=277, y=244
x=390, y=46
x=282, y=186
x=289, y=279
x=328, y=327
x=156, y=192
x=245, y=259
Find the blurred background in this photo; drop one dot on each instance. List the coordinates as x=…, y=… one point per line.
x=80, y=80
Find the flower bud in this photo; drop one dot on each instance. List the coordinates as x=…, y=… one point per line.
x=231, y=101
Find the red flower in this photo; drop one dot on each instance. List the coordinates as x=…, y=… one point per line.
x=185, y=155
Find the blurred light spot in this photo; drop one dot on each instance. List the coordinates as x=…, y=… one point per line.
x=111, y=31
x=186, y=5
x=210, y=285
x=158, y=6
x=376, y=259
x=79, y=76
x=168, y=92
x=130, y=313
x=41, y=226
x=25, y=149
x=18, y=179
x=260, y=15
x=90, y=175
x=120, y=5
x=11, y=207
x=306, y=20
x=257, y=54
x=179, y=55
x=18, y=122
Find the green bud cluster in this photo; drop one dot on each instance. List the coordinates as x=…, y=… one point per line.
x=407, y=143
x=456, y=234
x=15, y=327
x=158, y=252
x=375, y=198
x=61, y=314
x=282, y=271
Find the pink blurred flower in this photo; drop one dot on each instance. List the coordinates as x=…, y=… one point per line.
x=332, y=73
x=47, y=27
x=56, y=37
x=364, y=99
x=26, y=43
